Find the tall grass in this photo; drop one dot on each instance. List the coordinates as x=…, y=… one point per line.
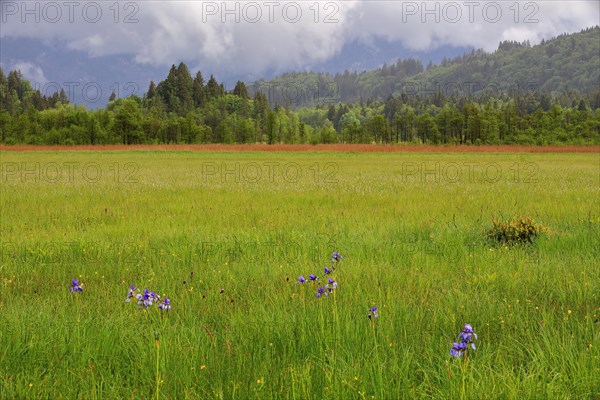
x=227, y=250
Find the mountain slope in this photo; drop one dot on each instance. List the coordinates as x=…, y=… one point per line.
x=567, y=62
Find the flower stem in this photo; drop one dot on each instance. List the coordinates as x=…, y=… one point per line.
x=379, y=376
x=156, y=344
x=464, y=367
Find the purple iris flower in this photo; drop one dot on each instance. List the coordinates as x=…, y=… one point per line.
x=130, y=294
x=331, y=285
x=165, y=305
x=467, y=334
x=147, y=298
x=466, y=340
x=76, y=286
x=313, y=277
x=458, y=349
x=373, y=312
x=336, y=257
x=301, y=279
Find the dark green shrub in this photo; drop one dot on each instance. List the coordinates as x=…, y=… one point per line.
x=519, y=230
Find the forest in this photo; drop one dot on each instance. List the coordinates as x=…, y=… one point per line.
x=552, y=98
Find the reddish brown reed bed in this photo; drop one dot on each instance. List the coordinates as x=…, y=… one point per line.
x=360, y=148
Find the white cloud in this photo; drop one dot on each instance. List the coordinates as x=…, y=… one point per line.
x=31, y=72
x=252, y=37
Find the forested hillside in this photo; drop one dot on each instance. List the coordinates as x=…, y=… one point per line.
x=567, y=62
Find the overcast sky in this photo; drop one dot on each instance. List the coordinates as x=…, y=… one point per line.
x=248, y=38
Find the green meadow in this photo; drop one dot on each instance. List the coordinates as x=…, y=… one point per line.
x=225, y=237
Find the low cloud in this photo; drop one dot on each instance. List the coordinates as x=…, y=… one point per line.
x=248, y=38
x=32, y=72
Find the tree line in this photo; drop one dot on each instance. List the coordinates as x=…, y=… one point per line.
x=187, y=109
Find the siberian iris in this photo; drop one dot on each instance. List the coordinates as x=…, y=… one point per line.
x=76, y=286
x=466, y=340
x=373, y=312
x=165, y=305
x=130, y=294
x=331, y=285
